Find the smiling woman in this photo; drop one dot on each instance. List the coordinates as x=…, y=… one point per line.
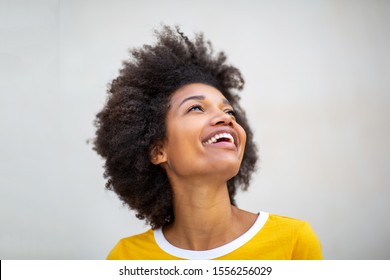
x=177, y=146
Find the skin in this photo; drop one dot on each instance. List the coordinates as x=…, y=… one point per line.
x=198, y=171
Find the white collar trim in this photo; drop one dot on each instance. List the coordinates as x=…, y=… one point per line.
x=213, y=253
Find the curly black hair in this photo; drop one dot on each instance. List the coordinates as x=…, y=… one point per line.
x=133, y=119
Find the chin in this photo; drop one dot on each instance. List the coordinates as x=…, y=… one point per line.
x=230, y=169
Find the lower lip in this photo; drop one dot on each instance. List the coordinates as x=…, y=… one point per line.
x=226, y=145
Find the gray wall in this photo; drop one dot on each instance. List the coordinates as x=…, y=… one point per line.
x=317, y=96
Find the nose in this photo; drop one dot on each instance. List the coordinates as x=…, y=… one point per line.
x=222, y=118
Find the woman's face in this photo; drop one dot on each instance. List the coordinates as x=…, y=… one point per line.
x=203, y=137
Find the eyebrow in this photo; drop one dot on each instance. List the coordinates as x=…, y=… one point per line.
x=196, y=97
x=201, y=97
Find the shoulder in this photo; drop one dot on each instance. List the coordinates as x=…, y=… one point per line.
x=304, y=241
x=284, y=223
x=285, y=220
x=130, y=247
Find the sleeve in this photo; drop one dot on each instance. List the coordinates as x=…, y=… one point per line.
x=307, y=245
x=117, y=253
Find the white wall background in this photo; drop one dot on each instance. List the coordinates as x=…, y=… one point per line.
x=317, y=95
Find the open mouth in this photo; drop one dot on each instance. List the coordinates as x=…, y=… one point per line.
x=220, y=137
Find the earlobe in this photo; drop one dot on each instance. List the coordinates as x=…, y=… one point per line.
x=157, y=154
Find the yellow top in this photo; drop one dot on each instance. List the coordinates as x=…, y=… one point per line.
x=271, y=237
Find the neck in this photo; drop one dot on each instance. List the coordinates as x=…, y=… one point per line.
x=204, y=217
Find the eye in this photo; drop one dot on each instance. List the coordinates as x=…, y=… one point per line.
x=195, y=108
x=231, y=112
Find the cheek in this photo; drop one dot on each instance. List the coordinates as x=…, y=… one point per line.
x=242, y=135
x=181, y=139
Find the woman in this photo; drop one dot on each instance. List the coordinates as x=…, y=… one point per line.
x=177, y=146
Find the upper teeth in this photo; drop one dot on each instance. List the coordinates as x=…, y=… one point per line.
x=218, y=136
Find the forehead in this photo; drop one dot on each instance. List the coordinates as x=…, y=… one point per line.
x=198, y=91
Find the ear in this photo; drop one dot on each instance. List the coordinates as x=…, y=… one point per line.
x=157, y=153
